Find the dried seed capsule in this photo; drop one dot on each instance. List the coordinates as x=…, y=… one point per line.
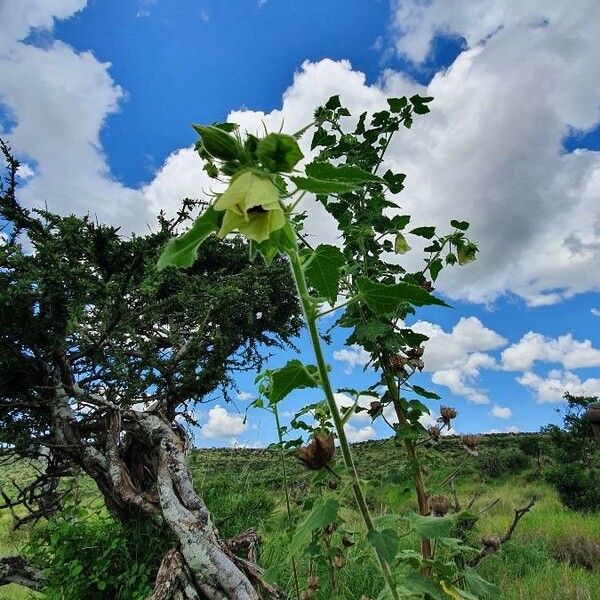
x=439, y=505
x=318, y=453
x=491, y=543
x=471, y=443
x=446, y=415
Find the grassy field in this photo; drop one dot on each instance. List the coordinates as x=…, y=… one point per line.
x=542, y=561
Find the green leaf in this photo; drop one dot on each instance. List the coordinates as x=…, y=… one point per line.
x=181, y=251
x=431, y=527
x=333, y=102
x=400, y=244
x=417, y=389
x=478, y=585
x=295, y=375
x=323, y=270
x=319, y=186
x=386, y=299
x=323, y=513
x=435, y=267
x=420, y=103
x=385, y=542
x=462, y=225
x=395, y=181
x=279, y=152
x=416, y=584
x=397, y=104
x=345, y=173
x=426, y=232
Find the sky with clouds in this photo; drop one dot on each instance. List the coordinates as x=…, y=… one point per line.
x=97, y=98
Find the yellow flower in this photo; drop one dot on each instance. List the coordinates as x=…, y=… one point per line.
x=251, y=205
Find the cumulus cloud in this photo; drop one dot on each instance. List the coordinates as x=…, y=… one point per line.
x=534, y=347
x=501, y=412
x=352, y=357
x=491, y=152
x=456, y=358
x=223, y=424
x=359, y=434
x=553, y=387
x=595, y=311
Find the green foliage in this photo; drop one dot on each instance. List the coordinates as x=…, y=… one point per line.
x=575, y=470
x=322, y=267
x=502, y=462
x=96, y=558
x=294, y=375
x=181, y=251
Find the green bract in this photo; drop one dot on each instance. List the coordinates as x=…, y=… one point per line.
x=251, y=205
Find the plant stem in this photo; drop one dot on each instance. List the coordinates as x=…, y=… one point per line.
x=412, y=455
x=287, y=492
x=309, y=311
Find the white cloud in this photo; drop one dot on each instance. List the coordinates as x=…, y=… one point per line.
x=457, y=357
x=359, y=434
x=507, y=429
x=490, y=152
x=501, y=412
x=355, y=356
x=554, y=387
x=223, y=424
x=244, y=396
x=595, y=311
x=533, y=347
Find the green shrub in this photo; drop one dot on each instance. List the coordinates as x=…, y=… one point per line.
x=575, y=471
x=496, y=463
x=577, y=484
x=97, y=558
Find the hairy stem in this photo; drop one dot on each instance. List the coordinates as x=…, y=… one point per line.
x=287, y=492
x=411, y=451
x=309, y=311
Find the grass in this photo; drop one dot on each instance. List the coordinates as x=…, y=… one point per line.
x=243, y=488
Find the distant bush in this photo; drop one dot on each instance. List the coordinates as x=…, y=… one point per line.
x=578, y=550
x=97, y=558
x=496, y=463
x=575, y=471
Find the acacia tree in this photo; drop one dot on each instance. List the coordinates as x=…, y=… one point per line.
x=101, y=360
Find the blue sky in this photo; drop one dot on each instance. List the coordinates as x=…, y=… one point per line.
x=97, y=97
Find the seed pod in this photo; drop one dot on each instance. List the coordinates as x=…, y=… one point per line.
x=376, y=409
x=439, y=505
x=471, y=443
x=446, y=415
x=416, y=352
x=491, y=543
x=318, y=453
x=397, y=361
x=434, y=433
x=339, y=561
